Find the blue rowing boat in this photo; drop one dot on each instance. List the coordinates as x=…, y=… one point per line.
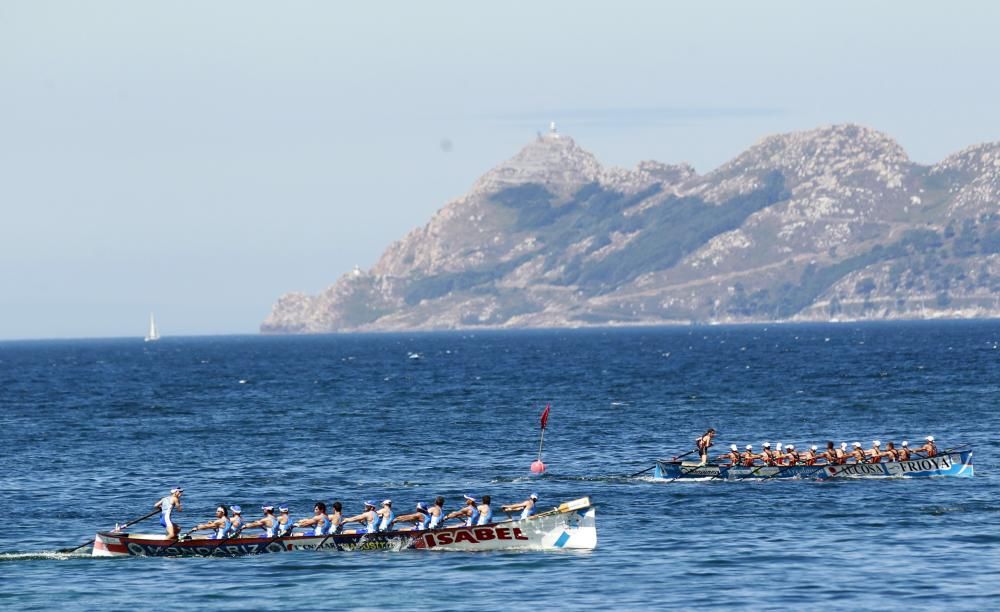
x=958, y=463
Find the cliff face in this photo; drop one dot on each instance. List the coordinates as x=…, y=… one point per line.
x=832, y=223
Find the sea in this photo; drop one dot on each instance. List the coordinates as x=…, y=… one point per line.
x=95, y=431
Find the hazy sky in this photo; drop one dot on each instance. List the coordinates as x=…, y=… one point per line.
x=198, y=159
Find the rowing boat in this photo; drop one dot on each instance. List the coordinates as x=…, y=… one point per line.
x=958, y=463
x=571, y=525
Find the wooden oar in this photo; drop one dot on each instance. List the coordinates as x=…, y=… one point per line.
x=654, y=466
x=132, y=522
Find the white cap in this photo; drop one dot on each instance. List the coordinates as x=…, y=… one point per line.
x=876, y=443
x=905, y=443
x=733, y=447
x=814, y=447
x=843, y=445
x=386, y=502
x=176, y=490
x=778, y=446
x=857, y=445
x=749, y=446
x=766, y=445
x=930, y=438
x=790, y=446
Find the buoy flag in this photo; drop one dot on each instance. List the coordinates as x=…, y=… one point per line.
x=545, y=416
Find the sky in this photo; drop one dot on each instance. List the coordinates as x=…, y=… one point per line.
x=199, y=159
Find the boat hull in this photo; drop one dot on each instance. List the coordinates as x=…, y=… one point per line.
x=571, y=526
x=958, y=464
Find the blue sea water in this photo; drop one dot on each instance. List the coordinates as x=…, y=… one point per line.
x=93, y=432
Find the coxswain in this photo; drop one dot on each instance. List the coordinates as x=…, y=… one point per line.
x=420, y=518
x=746, y=459
x=733, y=455
x=369, y=518
x=703, y=443
x=903, y=453
x=527, y=507
x=268, y=523
x=890, y=451
x=319, y=521
x=485, y=511
x=436, y=512
x=385, y=515
x=929, y=448
x=285, y=524
x=874, y=453
x=167, y=506
x=238, y=524
x=336, y=519
x=470, y=512
x=857, y=453
x=221, y=525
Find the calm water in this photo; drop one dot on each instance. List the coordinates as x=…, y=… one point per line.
x=93, y=432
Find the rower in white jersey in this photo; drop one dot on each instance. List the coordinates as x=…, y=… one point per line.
x=527, y=507
x=269, y=523
x=221, y=525
x=420, y=518
x=436, y=513
x=238, y=524
x=485, y=512
x=385, y=515
x=369, y=518
x=168, y=505
x=319, y=521
x=285, y=524
x=470, y=512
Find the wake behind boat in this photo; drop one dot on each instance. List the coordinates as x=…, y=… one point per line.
x=571, y=525
x=957, y=463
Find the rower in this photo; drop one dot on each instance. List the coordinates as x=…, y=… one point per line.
x=746, y=459
x=527, y=507
x=810, y=456
x=485, y=512
x=167, y=505
x=420, y=518
x=336, y=519
x=268, y=523
x=903, y=454
x=320, y=522
x=930, y=448
x=842, y=454
x=890, y=451
x=790, y=457
x=385, y=515
x=369, y=518
x=778, y=454
x=703, y=443
x=874, y=453
x=470, y=512
x=222, y=525
x=766, y=455
x=857, y=453
x=436, y=512
x=830, y=454
x=238, y=524
x=284, y=525
x=733, y=455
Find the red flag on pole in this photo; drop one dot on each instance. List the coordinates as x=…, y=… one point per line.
x=545, y=416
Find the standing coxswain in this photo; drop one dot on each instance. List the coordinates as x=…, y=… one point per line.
x=703, y=443
x=167, y=506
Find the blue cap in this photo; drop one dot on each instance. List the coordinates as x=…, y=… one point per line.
x=267, y=508
x=283, y=508
x=235, y=509
x=369, y=502
x=421, y=506
x=469, y=498
x=533, y=496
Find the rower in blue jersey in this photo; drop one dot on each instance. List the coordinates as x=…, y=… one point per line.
x=168, y=505
x=436, y=514
x=221, y=525
x=285, y=524
x=336, y=518
x=269, y=523
x=527, y=507
x=369, y=518
x=237, y=523
x=385, y=515
x=319, y=521
x=485, y=512
x=420, y=518
x=470, y=512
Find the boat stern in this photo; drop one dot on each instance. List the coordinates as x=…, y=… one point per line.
x=110, y=545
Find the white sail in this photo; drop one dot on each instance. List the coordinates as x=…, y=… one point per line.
x=152, y=335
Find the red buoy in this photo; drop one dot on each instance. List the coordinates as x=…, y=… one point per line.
x=537, y=467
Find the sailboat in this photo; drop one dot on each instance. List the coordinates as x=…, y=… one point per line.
x=152, y=335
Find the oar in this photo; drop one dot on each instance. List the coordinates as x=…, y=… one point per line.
x=132, y=522
x=654, y=466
